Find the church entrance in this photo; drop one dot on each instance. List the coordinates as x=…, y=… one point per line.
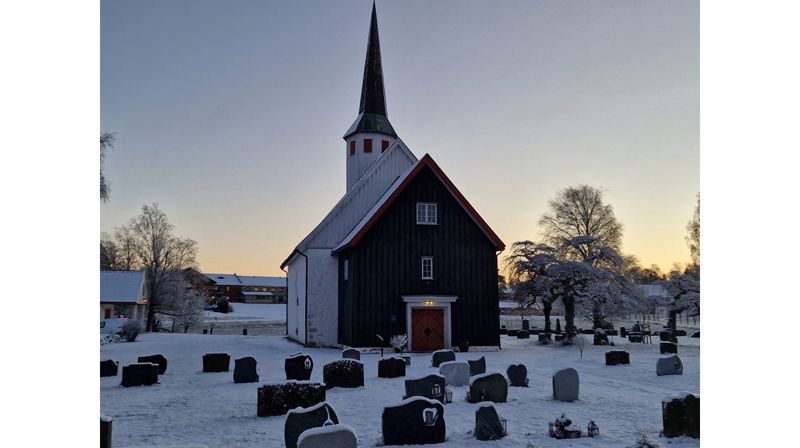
x=427, y=330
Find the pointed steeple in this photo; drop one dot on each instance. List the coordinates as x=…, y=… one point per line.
x=372, y=116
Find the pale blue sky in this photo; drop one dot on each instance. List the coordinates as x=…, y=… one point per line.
x=230, y=114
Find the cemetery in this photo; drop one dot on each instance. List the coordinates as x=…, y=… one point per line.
x=276, y=395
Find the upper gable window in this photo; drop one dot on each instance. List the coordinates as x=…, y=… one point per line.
x=427, y=213
x=367, y=145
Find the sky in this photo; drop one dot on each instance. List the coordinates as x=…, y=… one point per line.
x=230, y=114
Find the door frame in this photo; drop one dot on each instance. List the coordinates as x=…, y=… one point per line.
x=430, y=302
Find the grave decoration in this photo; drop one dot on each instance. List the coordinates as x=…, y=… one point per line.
x=563, y=428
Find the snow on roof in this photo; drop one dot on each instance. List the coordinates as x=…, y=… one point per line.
x=122, y=286
x=225, y=279
x=254, y=280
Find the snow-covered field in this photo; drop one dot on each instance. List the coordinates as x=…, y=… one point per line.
x=191, y=407
x=251, y=311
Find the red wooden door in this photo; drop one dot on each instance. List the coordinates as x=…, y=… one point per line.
x=427, y=330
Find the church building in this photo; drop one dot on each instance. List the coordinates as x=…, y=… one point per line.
x=402, y=252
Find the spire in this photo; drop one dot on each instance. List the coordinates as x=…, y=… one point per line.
x=372, y=109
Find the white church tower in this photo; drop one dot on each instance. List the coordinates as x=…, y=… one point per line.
x=371, y=133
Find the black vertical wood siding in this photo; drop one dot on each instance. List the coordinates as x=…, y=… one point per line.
x=386, y=264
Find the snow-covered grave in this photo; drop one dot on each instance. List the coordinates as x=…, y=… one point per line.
x=187, y=407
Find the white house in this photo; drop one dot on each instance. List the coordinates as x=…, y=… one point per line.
x=123, y=294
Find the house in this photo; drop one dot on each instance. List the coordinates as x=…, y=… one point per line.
x=246, y=288
x=403, y=251
x=123, y=294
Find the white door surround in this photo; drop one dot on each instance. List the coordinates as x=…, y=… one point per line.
x=428, y=302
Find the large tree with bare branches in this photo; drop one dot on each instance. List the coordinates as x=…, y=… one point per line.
x=106, y=143
x=576, y=212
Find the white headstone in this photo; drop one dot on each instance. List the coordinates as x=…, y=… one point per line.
x=456, y=373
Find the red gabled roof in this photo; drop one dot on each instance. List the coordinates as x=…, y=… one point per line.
x=363, y=227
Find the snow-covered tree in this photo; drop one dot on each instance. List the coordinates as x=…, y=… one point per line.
x=683, y=294
x=528, y=267
x=106, y=142
x=182, y=302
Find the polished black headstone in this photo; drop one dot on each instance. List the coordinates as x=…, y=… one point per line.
x=156, y=359
x=441, y=356
x=144, y=374
x=487, y=424
x=108, y=368
x=488, y=387
x=617, y=357
x=416, y=421
x=245, y=370
x=299, y=367
x=391, y=368
x=668, y=347
x=431, y=386
x=517, y=375
x=216, y=362
x=299, y=420
x=477, y=366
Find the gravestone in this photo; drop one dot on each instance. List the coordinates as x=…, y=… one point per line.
x=503, y=330
x=108, y=368
x=488, y=387
x=513, y=333
x=696, y=334
x=155, y=359
x=391, y=368
x=456, y=373
x=665, y=335
x=487, y=424
x=544, y=337
x=415, y=421
x=331, y=436
x=558, y=326
x=351, y=353
x=680, y=333
x=440, y=356
x=347, y=373
x=517, y=375
x=681, y=416
x=299, y=420
x=619, y=357
x=431, y=387
x=143, y=374
x=278, y=398
x=566, y=385
x=635, y=337
x=216, y=362
x=298, y=367
x=477, y=366
x=244, y=370
x=523, y=334
x=526, y=324
x=623, y=332
x=668, y=347
x=105, y=431
x=671, y=365
x=536, y=331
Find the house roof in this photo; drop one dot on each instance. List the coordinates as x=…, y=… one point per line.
x=246, y=280
x=225, y=279
x=395, y=161
x=393, y=192
x=122, y=286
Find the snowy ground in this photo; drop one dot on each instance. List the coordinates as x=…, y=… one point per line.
x=251, y=311
x=191, y=407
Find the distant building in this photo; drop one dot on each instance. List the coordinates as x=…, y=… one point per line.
x=247, y=288
x=123, y=294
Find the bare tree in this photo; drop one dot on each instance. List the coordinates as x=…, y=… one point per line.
x=528, y=267
x=161, y=254
x=182, y=302
x=683, y=295
x=125, y=243
x=576, y=212
x=693, y=234
x=106, y=142
x=108, y=253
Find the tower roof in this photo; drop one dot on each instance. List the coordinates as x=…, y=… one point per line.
x=372, y=110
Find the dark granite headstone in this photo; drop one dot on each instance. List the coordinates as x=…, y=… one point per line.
x=143, y=374
x=668, y=347
x=431, y=387
x=488, y=387
x=681, y=416
x=535, y=331
x=244, y=370
x=155, y=359
x=513, y=333
x=440, y=356
x=277, y=399
x=216, y=362
x=477, y=366
x=351, y=353
x=523, y=334
x=105, y=431
x=544, y=337
x=415, y=421
x=635, y=337
x=665, y=335
x=487, y=424
x=343, y=373
x=301, y=419
x=618, y=357
x=108, y=368
x=299, y=367
x=566, y=385
x=558, y=326
x=623, y=332
x=526, y=324
x=517, y=375
x=391, y=368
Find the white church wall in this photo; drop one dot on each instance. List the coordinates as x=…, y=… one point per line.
x=323, y=298
x=296, y=299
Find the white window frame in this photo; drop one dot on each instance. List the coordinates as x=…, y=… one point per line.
x=346, y=270
x=426, y=210
x=422, y=266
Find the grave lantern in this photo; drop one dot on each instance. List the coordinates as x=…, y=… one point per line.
x=429, y=416
x=593, y=430
x=504, y=422
x=448, y=396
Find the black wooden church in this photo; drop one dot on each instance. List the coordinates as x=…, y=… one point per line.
x=403, y=251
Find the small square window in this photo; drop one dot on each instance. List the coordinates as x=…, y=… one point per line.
x=367, y=145
x=384, y=145
x=353, y=148
x=427, y=213
x=427, y=268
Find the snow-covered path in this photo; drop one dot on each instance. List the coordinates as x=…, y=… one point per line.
x=189, y=406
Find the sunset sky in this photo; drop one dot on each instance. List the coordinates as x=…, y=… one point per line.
x=230, y=114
